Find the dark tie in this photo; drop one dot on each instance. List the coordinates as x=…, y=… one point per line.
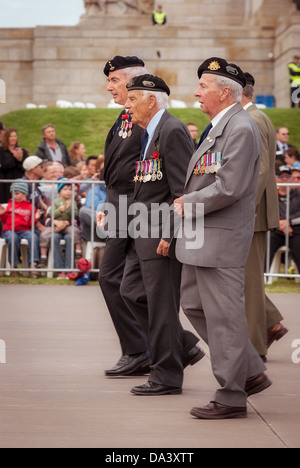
x=144, y=144
x=204, y=134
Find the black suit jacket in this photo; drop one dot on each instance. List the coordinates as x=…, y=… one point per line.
x=119, y=170
x=174, y=145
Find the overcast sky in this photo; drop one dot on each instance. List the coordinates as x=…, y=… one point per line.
x=31, y=13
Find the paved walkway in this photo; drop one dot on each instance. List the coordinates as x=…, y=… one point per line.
x=53, y=392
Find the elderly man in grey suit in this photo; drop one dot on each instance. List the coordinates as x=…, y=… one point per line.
x=223, y=178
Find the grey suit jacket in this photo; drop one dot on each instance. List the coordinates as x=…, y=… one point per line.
x=228, y=196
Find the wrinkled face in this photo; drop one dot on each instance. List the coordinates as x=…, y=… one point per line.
x=117, y=82
x=139, y=107
x=210, y=95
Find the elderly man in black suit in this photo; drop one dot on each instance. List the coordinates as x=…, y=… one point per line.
x=150, y=274
x=122, y=151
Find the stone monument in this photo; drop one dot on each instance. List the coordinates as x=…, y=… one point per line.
x=46, y=63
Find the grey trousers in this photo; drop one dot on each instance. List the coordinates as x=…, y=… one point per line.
x=213, y=300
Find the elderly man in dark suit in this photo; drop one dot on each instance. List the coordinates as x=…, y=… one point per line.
x=222, y=177
x=149, y=273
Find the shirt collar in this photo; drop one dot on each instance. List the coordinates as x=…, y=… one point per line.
x=221, y=114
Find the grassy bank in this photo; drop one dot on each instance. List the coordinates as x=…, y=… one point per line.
x=92, y=126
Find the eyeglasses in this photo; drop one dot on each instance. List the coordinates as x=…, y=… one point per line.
x=285, y=176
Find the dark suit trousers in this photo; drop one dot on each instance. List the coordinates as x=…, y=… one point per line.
x=157, y=282
x=132, y=338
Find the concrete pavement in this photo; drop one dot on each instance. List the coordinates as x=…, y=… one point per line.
x=53, y=393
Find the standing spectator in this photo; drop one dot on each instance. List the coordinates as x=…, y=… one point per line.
x=51, y=148
x=282, y=136
x=77, y=152
x=11, y=161
x=159, y=17
x=63, y=207
x=2, y=131
x=294, y=69
x=22, y=223
x=193, y=129
x=292, y=157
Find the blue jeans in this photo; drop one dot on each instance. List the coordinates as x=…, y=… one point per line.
x=59, y=262
x=18, y=236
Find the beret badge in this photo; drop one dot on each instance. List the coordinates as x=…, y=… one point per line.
x=214, y=66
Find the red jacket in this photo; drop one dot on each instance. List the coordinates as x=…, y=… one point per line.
x=23, y=215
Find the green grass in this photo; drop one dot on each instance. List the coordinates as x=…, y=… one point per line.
x=281, y=286
x=92, y=126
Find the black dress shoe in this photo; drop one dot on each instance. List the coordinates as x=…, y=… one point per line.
x=131, y=365
x=192, y=357
x=154, y=389
x=216, y=411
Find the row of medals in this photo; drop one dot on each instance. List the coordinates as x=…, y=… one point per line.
x=148, y=171
x=208, y=164
x=126, y=129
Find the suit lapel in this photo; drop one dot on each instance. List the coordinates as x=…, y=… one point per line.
x=153, y=144
x=209, y=142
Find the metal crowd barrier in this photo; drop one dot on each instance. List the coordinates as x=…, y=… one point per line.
x=269, y=275
x=92, y=244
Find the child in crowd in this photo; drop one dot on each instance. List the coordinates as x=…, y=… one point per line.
x=63, y=228
x=22, y=223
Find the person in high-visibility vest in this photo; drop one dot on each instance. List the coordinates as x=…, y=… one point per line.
x=294, y=69
x=159, y=17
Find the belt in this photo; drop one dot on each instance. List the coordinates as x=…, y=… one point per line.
x=295, y=222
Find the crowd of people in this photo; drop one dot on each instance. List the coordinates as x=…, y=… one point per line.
x=58, y=171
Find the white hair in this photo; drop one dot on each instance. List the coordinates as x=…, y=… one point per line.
x=131, y=72
x=162, y=99
x=236, y=88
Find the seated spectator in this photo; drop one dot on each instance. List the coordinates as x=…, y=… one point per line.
x=292, y=157
x=22, y=223
x=282, y=136
x=11, y=161
x=77, y=152
x=51, y=148
x=193, y=129
x=91, y=164
x=72, y=173
x=95, y=198
x=82, y=168
x=63, y=228
x=159, y=17
x=292, y=226
x=49, y=190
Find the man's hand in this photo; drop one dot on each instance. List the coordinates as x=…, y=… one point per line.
x=284, y=226
x=60, y=225
x=178, y=207
x=163, y=248
x=101, y=219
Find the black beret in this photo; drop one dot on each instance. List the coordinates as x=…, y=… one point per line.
x=119, y=63
x=250, y=79
x=149, y=83
x=220, y=67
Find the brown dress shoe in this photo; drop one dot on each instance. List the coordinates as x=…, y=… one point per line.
x=276, y=333
x=217, y=411
x=257, y=384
